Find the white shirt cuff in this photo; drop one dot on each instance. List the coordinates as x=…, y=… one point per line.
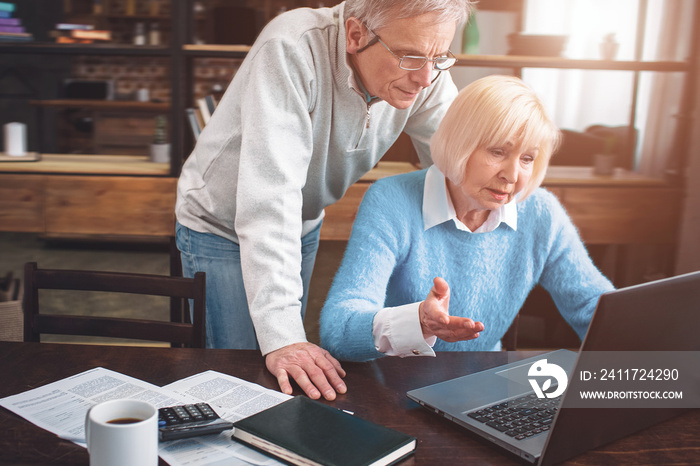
x=397, y=332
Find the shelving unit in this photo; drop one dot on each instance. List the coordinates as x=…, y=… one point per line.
x=182, y=54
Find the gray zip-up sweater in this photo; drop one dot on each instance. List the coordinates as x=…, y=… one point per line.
x=292, y=132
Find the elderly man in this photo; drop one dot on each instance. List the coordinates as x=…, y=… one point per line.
x=320, y=97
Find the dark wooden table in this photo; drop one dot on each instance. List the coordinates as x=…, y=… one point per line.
x=377, y=391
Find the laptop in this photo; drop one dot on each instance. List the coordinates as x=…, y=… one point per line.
x=663, y=315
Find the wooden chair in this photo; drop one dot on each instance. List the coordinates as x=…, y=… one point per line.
x=176, y=332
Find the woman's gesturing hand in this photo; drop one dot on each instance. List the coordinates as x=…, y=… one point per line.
x=435, y=319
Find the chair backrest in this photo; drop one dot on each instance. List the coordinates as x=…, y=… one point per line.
x=175, y=332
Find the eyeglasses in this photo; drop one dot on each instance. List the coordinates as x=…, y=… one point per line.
x=412, y=62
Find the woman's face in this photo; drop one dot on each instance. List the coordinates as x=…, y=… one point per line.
x=493, y=176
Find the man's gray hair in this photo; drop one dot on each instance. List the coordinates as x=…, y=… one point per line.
x=376, y=14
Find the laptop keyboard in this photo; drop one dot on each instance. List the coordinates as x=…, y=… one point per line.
x=519, y=418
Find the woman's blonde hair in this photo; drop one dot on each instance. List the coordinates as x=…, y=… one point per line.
x=491, y=112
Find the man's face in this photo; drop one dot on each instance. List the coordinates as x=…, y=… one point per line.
x=379, y=70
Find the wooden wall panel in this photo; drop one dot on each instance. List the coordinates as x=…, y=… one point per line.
x=623, y=215
x=22, y=203
x=110, y=205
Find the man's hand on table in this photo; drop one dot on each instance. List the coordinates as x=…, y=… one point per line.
x=313, y=368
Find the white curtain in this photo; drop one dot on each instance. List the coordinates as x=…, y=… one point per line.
x=581, y=98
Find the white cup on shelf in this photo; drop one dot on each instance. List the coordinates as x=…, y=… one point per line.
x=143, y=95
x=15, y=139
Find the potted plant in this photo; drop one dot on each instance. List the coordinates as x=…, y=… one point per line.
x=160, y=148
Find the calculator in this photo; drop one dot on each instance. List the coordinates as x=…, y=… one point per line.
x=190, y=420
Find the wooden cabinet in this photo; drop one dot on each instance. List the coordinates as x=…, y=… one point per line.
x=109, y=206
x=21, y=203
x=74, y=196
x=623, y=209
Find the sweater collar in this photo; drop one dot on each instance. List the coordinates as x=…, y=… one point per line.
x=438, y=207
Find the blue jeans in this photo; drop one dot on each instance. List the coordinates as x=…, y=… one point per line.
x=228, y=319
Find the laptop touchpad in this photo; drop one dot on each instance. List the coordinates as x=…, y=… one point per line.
x=516, y=374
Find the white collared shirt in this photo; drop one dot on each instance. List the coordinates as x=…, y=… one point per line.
x=397, y=330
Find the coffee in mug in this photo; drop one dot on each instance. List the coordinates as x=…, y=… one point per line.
x=121, y=432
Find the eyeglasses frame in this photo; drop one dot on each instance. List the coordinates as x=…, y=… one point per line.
x=400, y=59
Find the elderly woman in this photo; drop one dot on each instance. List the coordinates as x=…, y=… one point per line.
x=443, y=259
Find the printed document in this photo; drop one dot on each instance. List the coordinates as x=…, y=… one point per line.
x=60, y=408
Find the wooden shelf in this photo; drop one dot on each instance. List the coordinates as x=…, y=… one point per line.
x=143, y=17
x=84, y=49
x=94, y=104
x=87, y=164
x=519, y=61
x=556, y=175
x=216, y=50
x=494, y=61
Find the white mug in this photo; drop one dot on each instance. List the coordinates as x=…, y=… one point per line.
x=15, y=139
x=122, y=432
x=143, y=95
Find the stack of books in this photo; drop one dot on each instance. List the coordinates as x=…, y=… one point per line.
x=68, y=33
x=199, y=116
x=11, y=28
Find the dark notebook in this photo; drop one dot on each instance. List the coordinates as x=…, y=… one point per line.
x=306, y=432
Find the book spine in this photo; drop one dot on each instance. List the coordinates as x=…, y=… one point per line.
x=15, y=37
x=194, y=124
x=211, y=103
x=71, y=26
x=204, y=109
x=14, y=29
x=10, y=22
x=6, y=6
x=94, y=34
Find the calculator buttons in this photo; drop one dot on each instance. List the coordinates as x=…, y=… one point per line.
x=188, y=421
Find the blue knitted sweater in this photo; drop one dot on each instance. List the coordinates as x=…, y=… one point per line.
x=391, y=260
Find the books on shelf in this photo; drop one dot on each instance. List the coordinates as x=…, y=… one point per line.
x=93, y=34
x=306, y=432
x=193, y=120
x=204, y=109
x=15, y=37
x=71, y=26
x=206, y=106
x=11, y=28
x=17, y=29
x=79, y=34
x=211, y=103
